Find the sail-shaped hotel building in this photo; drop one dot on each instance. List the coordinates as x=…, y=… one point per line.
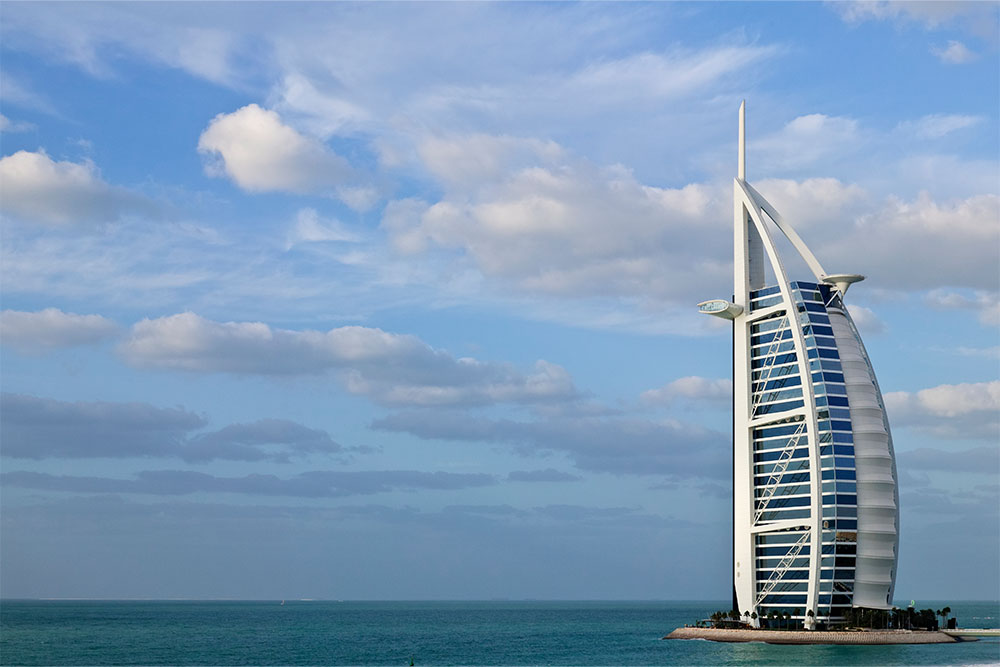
x=815, y=495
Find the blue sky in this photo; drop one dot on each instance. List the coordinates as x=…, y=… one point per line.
x=397, y=301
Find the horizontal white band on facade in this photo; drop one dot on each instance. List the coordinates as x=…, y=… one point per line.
x=765, y=313
x=885, y=504
x=862, y=454
x=784, y=524
x=878, y=529
x=880, y=581
x=777, y=417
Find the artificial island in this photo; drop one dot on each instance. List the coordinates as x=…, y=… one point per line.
x=815, y=489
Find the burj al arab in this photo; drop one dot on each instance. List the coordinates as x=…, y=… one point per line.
x=815, y=489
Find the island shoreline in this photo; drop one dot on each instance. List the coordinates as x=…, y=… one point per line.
x=842, y=637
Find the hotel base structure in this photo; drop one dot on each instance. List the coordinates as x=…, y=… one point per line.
x=815, y=493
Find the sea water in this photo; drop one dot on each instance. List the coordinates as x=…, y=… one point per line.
x=428, y=633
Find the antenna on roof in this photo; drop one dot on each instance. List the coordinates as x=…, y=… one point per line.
x=741, y=172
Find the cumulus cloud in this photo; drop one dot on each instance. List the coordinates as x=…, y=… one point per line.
x=814, y=201
x=549, y=224
x=866, y=319
x=313, y=484
x=563, y=226
x=52, y=328
x=36, y=188
x=37, y=428
x=613, y=445
x=968, y=410
x=692, y=388
x=259, y=153
x=481, y=158
x=389, y=368
x=959, y=239
x=41, y=428
x=894, y=242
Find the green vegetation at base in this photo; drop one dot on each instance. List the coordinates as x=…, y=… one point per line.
x=855, y=618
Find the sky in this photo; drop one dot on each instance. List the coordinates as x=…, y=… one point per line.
x=398, y=301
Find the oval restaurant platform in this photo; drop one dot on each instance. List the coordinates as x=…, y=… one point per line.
x=817, y=636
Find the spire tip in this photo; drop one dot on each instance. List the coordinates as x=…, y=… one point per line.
x=741, y=171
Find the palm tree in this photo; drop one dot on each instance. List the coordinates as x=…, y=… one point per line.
x=947, y=613
x=753, y=617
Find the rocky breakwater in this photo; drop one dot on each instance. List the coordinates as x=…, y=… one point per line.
x=844, y=637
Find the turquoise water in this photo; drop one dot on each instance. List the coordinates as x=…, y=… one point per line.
x=432, y=633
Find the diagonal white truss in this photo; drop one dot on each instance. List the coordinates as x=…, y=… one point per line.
x=779, y=469
x=765, y=372
x=779, y=571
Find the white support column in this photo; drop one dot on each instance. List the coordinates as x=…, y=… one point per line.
x=815, y=481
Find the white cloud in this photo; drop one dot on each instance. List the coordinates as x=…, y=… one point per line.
x=36, y=188
x=261, y=154
x=960, y=239
x=951, y=400
x=532, y=216
x=692, y=388
x=866, y=319
x=987, y=304
x=310, y=228
x=476, y=159
x=552, y=224
x=956, y=53
x=936, y=126
x=7, y=125
x=389, y=368
x=931, y=14
x=806, y=140
x=52, y=328
x=968, y=410
x=86, y=38
x=16, y=93
x=894, y=242
x=664, y=75
x=988, y=352
x=814, y=202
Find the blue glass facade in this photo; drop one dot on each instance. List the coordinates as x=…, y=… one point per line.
x=782, y=461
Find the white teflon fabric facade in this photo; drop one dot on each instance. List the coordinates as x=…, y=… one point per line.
x=878, y=503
